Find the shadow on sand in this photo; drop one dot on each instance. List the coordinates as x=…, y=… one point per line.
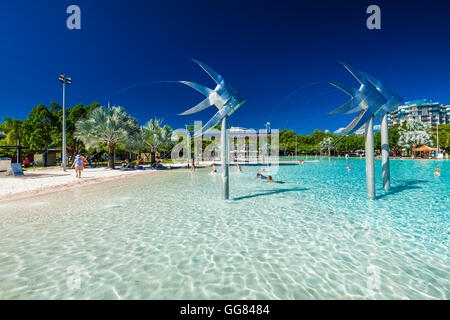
x=405, y=185
x=268, y=193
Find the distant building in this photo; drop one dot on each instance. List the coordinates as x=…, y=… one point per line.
x=427, y=111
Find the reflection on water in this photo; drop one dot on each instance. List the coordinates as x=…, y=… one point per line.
x=169, y=236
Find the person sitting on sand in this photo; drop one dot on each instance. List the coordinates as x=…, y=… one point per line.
x=26, y=163
x=125, y=164
x=437, y=172
x=78, y=164
x=139, y=164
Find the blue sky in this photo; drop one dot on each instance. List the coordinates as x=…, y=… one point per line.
x=278, y=54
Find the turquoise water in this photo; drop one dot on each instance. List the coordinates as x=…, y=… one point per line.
x=169, y=236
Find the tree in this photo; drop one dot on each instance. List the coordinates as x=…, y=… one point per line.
x=444, y=136
x=13, y=129
x=414, y=133
x=156, y=136
x=37, y=128
x=326, y=144
x=394, y=136
x=106, y=126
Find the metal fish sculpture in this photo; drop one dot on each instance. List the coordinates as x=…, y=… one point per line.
x=224, y=97
x=393, y=99
x=367, y=100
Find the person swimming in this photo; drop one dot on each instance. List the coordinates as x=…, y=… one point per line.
x=437, y=172
x=269, y=179
x=260, y=176
x=214, y=171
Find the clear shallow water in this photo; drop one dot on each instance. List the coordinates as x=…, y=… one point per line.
x=169, y=236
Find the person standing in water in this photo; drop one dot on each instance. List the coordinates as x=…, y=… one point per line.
x=239, y=168
x=78, y=164
x=192, y=164
x=214, y=171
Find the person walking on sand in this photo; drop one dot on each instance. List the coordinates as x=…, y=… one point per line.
x=78, y=164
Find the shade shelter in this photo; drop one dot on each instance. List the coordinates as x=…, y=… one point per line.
x=425, y=149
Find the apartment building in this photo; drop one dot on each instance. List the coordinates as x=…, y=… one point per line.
x=428, y=111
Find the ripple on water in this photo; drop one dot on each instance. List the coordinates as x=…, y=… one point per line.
x=314, y=238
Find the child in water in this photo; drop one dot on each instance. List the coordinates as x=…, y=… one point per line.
x=437, y=172
x=269, y=179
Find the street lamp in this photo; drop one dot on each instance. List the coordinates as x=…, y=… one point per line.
x=267, y=127
x=65, y=80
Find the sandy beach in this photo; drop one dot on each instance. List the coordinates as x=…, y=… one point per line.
x=41, y=181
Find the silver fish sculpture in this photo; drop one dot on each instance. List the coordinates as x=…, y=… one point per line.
x=224, y=97
x=367, y=100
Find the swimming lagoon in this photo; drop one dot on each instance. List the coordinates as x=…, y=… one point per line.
x=169, y=236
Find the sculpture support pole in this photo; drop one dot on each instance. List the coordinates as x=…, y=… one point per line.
x=225, y=155
x=370, y=160
x=385, y=152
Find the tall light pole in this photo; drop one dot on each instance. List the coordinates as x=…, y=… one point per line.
x=65, y=80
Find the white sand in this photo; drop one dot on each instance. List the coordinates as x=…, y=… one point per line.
x=46, y=180
x=54, y=179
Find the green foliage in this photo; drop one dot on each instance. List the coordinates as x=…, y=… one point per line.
x=107, y=126
x=156, y=137
x=414, y=133
x=444, y=136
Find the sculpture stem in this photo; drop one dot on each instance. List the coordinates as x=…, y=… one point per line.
x=370, y=160
x=225, y=155
x=385, y=153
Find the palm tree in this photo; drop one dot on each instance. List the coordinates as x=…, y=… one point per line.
x=414, y=133
x=326, y=144
x=155, y=136
x=106, y=127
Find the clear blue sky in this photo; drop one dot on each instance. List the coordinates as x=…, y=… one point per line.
x=277, y=54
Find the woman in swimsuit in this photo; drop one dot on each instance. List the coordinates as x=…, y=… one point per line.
x=78, y=164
